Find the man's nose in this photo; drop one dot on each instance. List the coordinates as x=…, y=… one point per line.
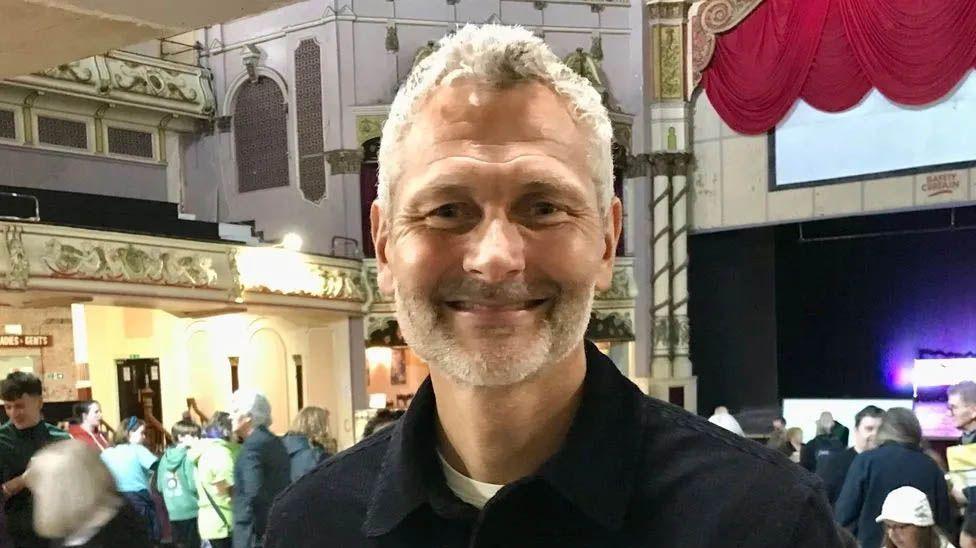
x=497, y=253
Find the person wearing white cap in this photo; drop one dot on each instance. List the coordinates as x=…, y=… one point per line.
x=907, y=520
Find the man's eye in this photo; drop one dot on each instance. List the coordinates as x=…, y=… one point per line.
x=449, y=211
x=544, y=209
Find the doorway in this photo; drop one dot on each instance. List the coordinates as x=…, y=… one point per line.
x=134, y=376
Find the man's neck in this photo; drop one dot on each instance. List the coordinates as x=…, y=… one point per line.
x=500, y=434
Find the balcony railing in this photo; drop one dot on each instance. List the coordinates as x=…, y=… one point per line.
x=125, y=78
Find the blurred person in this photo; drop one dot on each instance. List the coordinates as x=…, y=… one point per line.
x=495, y=226
x=382, y=419
x=961, y=404
x=20, y=438
x=88, y=429
x=262, y=469
x=307, y=439
x=837, y=430
x=822, y=445
x=77, y=503
x=724, y=419
x=131, y=464
x=898, y=461
x=835, y=467
x=175, y=481
x=906, y=519
x=791, y=444
x=214, y=457
x=778, y=434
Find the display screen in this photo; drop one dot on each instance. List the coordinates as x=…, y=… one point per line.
x=875, y=139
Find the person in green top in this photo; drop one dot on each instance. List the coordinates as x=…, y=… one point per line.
x=22, y=436
x=214, y=458
x=175, y=480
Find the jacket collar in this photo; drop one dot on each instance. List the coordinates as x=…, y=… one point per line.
x=595, y=469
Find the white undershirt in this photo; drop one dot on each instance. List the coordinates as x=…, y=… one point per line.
x=474, y=492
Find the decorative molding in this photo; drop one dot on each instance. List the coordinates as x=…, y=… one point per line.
x=344, y=161
x=82, y=261
x=127, y=263
x=75, y=71
x=667, y=62
x=369, y=126
x=667, y=10
x=706, y=19
x=539, y=4
x=392, y=39
x=17, y=270
x=670, y=163
x=236, y=291
x=637, y=165
x=611, y=325
x=124, y=78
x=661, y=336
x=383, y=330
x=680, y=334
x=596, y=47
x=622, y=284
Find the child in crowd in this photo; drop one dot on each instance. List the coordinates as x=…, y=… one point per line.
x=131, y=464
x=175, y=480
x=215, y=458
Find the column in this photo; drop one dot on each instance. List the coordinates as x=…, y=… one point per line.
x=680, y=335
x=661, y=267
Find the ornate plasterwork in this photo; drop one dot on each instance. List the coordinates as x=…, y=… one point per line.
x=75, y=71
x=667, y=58
x=622, y=285
x=120, y=77
x=707, y=18
x=667, y=10
x=680, y=334
x=17, y=270
x=344, y=161
x=35, y=256
x=611, y=325
x=661, y=335
x=127, y=263
x=368, y=127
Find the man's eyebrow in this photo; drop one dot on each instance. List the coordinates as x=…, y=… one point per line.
x=450, y=186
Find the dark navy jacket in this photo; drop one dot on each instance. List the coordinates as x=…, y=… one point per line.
x=260, y=474
x=876, y=473
x=633, y=472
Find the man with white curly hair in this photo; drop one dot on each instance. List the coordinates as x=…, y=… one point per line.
x=494, y=227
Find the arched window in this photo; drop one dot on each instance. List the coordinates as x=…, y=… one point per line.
x=261, y=136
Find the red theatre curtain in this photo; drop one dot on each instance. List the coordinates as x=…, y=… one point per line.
x=830, y=53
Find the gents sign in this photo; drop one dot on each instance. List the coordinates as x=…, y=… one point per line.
x=24, y=341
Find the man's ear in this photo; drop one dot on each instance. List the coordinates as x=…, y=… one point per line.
x=612, y=225
x=380, y=232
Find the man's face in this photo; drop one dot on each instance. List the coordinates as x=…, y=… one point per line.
x=240, y=421
x=494, y=244
x=865, y=433
x=963, y=414
x=778, y=425
x=25, y=411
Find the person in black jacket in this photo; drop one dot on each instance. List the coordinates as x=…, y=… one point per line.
x=898, y=461
x=834, y=469
x=821, y=446
x=261, y=470
x=77, y=503
x=494, y=227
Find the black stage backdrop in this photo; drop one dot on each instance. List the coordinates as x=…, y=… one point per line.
x=837, y=317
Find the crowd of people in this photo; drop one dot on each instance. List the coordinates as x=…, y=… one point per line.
x=215, y=481
x=888, y=487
